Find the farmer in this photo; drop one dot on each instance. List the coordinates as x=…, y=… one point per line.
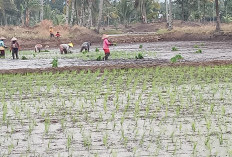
x=64, y=48
x=85, y=46
x=38, y=47
x=57, y=35
x=51, y=31
x=14, y=48
x=2, y=47
x=106, y=45
x=46, y=47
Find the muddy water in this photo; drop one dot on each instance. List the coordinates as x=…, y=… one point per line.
x=153, y=117
x=210, y=51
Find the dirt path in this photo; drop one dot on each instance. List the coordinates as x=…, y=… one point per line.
x=212, y=53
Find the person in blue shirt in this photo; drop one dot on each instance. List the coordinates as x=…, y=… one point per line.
x=2, y=47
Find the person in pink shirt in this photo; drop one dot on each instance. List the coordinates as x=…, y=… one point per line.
x=106, y=45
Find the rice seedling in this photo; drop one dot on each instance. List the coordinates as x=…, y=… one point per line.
x=198, y=51
x=54, y=63
x=175, y=49
x=128, y=102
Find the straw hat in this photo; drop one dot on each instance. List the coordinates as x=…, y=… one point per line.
x=105, y=36
x=2, y=38
x=70, y=44
x=14, y=39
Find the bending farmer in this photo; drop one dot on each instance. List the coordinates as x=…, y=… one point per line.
x=64, y=48
x=38, y=47
x=85, y=46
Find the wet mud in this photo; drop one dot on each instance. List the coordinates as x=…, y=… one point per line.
x=213, y=53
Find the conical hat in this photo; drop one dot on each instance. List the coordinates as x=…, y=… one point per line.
x=70, y=44
x=2, y=38
x=105, y=36
x=14, y=39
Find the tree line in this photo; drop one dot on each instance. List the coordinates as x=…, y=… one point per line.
x=94, y=13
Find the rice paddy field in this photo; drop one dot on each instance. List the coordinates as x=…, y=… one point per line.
x=160, y=111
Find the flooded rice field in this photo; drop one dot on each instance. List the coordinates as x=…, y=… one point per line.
x=125, y=54
x=159, y=111
x=162, y=111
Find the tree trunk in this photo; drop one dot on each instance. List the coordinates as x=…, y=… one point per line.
x=67, y=12
x=99, y=15
x=27, y=17
x=218, y=27
x=167, y=20
x=22, y=18
x=72, y=13
x=90, y=20
x=76, y=13
x=41, y=10
x=82, y=13
x=4, y=17
x=182, y=10
x=144, y=12
x=199, y=12
x=204, y=12
x=170, y=26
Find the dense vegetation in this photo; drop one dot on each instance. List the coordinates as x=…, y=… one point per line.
x=112, y=12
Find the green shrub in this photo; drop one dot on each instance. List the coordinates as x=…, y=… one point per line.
x=97, y=50
x=55, y=63
x=140, y=46
x=24, y=58
x=174, y=49
x=139, y=56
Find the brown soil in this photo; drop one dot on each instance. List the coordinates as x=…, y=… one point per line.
x=29, y=37
x=147, y=64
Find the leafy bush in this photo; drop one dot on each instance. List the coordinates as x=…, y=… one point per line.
x=140, y=46
x=139, y=56
x=176, y=58
x=55, y=63
x=199, y=51
x=174, y=49
x=24, y=58
x=227, y=19
x=97, y=50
